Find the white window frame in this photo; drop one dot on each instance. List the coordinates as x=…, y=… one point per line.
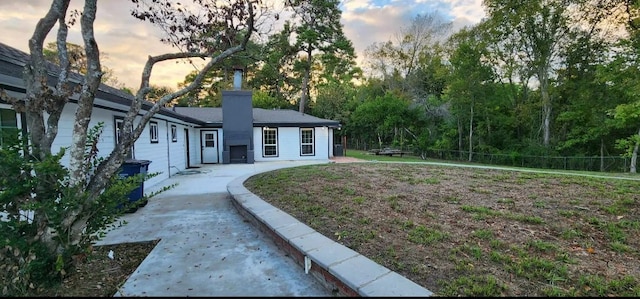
x=153, y=132
x=174, y=133
x=305, y=143
x=266, y=145
x=7, y=128
x=11, y=127
x=118, y=123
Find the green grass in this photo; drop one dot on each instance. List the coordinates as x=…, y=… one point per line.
x=359, y=199
x=481, y=213
x=425, y=236
x=483, y=234
x=364, y=155
x=472, y=286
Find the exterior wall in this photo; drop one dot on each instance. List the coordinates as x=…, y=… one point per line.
x=289, y=144
x=194, y=146
x=177, y=149
x=155, y=152
x=163, y=155
x=65, y=131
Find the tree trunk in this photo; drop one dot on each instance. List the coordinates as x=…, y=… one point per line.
x=305, y=83
x=78, y=175
x=634, y=156
x=471, y=135
x=546, y=106
x=460, y=146
x=602, y=154
x=39, y=98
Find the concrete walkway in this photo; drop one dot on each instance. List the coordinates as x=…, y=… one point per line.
x=219, y=239
x=206, y=247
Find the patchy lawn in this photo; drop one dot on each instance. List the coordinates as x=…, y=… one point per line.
x=473, y=232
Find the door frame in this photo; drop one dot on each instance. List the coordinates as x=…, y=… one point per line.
x=202, y=146
x=187, y=148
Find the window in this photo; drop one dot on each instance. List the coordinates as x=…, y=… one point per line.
x=8, y=124
x=119, y=127
x=306, y=142
x=269, y=142
x=174, y=133
x=153, y=132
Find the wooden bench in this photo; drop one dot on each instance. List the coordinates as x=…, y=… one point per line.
x=390, y=152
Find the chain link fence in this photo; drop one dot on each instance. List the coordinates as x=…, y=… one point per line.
x=595, y=163
x=580, y=163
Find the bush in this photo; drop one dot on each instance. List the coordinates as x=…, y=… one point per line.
x=36, y=199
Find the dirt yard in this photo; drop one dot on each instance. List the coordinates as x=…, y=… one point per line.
x=473, y=232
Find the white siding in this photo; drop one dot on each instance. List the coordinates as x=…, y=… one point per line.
x=162, y=155
x=65, y=131
x=176, y=149
x=289, y=144
x=155, y=152
x=194, y=146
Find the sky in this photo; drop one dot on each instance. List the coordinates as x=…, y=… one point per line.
x=125, y=42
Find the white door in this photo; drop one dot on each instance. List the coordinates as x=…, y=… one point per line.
x=209, y=141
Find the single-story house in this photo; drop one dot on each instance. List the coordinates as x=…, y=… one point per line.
x=178, y=138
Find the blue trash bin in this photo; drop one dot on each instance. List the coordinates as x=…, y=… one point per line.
x=130, y=168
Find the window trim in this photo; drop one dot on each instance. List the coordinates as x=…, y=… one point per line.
x=264, y=144
x=174, y=133
x=313, y=142
x=116, y=136
x=7, y=129
x=153, y=129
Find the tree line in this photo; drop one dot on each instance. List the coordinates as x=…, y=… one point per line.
x=541, y=78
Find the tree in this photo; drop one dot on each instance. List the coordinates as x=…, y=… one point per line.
x=382, y=119
x=537, y=29
x=318, y=29
x=407, y=61
x=468, y=82
x=275, y=73
x=219, y=78
x=157, y=92
x=223, y=30
x=78, y=62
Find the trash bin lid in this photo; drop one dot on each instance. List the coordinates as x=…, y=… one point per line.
x=135, y=161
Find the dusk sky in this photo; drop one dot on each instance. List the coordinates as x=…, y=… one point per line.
x=127, y=42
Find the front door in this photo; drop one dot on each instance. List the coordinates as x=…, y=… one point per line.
x=209, y=141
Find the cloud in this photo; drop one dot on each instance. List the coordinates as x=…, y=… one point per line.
x=127, y=42
x=368, y=21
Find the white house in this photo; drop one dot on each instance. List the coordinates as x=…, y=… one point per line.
x=182, y=137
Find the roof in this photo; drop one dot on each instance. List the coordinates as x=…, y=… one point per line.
x=12, y=62
x=261, y=117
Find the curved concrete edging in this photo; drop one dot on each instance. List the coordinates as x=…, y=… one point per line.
x=340, y=269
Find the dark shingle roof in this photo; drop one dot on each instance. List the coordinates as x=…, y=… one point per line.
x=261, y=117
x=12, y=62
